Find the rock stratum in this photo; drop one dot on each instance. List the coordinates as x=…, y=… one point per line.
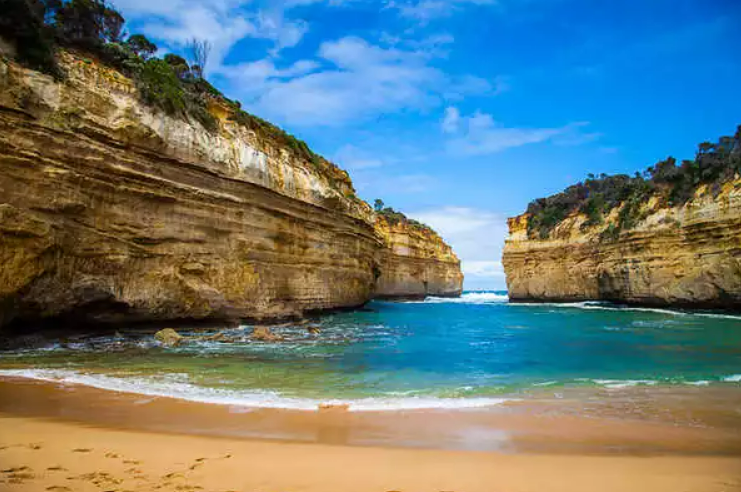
x=112, y=211
x=415, y=263
x=685, y=256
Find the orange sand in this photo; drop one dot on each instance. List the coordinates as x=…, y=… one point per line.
x=45, y=455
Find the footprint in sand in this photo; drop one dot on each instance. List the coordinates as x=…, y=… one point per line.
x=98, y=478
x=112, y=455
x=59, y=488
x=15, y=469
x=188, y=487
x=19, y=477
x=132, y=462
x=82, y=450
x=57, y=468
x=35, y=446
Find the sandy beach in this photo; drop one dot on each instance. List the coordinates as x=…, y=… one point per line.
x=72, y=438
x=40, y=455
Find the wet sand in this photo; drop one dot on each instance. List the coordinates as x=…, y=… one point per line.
x=44, y=455
x=66, y=437
x=639, y=422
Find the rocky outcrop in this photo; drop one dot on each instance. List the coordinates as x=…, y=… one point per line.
x=111, y=211
x=169, y=337
x=416, y=262
x=688, y=256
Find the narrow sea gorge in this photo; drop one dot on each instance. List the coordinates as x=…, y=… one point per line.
x=477, y=353
x=440, y=353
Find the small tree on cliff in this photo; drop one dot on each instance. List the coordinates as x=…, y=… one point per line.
x=378, y=205
x=198, y=52
x=139, y=44
x=87, y=23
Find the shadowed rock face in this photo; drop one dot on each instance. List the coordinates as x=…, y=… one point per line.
x=686, y=256
x=416, y=263
x=111, y=212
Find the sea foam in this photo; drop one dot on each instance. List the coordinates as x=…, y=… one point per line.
x=499, y=298
x=170, y=388
x=469, y=298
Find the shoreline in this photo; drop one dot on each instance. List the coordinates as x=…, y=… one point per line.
x=576, y=424
x=39, y=455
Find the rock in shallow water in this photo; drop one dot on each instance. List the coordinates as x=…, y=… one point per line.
x=263, y=334
x=169, y=337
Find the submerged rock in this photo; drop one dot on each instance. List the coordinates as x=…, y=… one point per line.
x=169, y=337
x=263, y=334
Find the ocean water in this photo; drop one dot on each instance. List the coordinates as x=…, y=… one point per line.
x=475, y=351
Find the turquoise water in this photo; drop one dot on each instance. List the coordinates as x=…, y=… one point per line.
x=474, y=351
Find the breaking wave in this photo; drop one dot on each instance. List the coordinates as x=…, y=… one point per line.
x=173, y=387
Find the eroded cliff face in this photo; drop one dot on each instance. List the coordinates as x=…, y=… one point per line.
x=112, y=211
x=683, y=256
x=415, y=263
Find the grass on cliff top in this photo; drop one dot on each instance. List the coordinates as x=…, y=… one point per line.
x=38, y=28
x=673, y=184
x=394, y=217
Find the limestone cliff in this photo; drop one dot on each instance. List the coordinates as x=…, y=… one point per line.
x=688, y=255
x=416, y=262
x=113, y=211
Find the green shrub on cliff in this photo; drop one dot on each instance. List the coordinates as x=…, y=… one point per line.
x=713, y=165
x=159, y=86
x=37, y=28
x=394, y=217
x=22, y=24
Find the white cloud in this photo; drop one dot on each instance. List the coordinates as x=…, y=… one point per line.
x=451, y=119
x=477, y=236
x=424, y=11
x=360, y=81
x=353, y=158
x=221, y=22
x=365, y=80
x=349, y=80
x=480, y=134
x=255, y=77
x=487, y=269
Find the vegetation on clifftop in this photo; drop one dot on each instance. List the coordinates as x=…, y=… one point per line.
x=394, y=217
x=38, y=28
x=674, y=184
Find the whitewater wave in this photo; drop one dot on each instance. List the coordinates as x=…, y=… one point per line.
x=501, y=298
x=606, y=306
x=175, y=387
x=624, y=383
x=468, y=298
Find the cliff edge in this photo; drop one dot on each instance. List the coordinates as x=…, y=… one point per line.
x=112, y=210
x=416, y=262
x=669, y=238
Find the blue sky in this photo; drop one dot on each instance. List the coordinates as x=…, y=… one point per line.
x=460, y=112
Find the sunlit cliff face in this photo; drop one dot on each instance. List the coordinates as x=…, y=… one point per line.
x=685, y=255
x=112, y=211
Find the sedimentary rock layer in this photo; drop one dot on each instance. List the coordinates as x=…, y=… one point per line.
x=683, y=256
x=415, y=263
x=112, y=211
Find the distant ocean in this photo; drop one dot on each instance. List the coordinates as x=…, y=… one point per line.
x=475, y=351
